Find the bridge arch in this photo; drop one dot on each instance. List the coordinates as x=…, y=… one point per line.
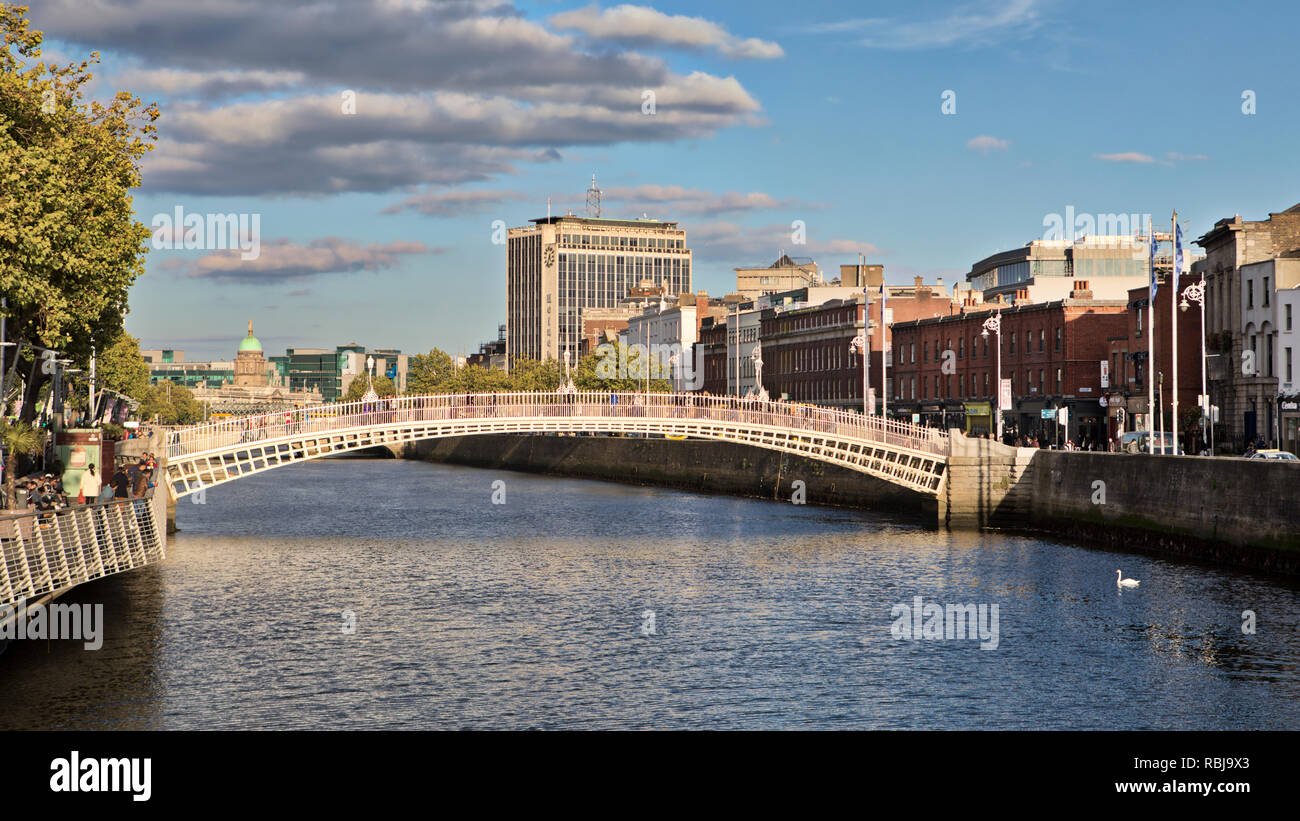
x=203, y=456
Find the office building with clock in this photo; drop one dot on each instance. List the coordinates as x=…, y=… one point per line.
x=559, y=266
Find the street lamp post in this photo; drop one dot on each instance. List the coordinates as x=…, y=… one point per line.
x=994, y=324
x=858, y=345
x=1196, y=293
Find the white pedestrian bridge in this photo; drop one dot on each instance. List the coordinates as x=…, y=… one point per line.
x=202, y=456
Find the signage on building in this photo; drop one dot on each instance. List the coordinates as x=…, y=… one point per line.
x=1105, y=373
x=1291, y=406
x=1063, y=416
x=1004, y=395
x=916, y=419
x=1101, y=400
x=1048, y=413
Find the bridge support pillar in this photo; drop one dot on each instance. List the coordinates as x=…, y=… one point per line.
x=988, y=484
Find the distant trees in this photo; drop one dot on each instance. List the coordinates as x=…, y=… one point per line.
x=383, y=386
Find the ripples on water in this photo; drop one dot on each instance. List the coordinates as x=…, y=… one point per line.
x=530, y=615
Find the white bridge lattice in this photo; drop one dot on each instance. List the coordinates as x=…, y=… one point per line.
x=205, y=455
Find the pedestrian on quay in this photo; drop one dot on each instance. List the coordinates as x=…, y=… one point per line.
x=121, y=484
x=88, y=491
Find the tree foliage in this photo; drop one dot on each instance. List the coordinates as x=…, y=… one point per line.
x=383, y=386
x=70, y=246
x=18, y=438
x=171, y=404
x=121, y=367
x=617, y=367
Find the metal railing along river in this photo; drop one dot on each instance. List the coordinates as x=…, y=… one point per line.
x=44, y=552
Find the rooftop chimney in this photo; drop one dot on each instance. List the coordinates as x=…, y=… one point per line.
x=1081, y=290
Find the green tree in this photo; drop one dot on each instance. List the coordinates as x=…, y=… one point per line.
x=430, y=373
x=383, y=386
x=616, y=367
x=70, y=246
x=121, y=367
x=531, y=375
x=17, y=438
x=172, y=404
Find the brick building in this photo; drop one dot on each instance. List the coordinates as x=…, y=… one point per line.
x=806, y=354
x=946, y=371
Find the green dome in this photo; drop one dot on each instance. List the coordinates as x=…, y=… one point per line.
x=250, y=342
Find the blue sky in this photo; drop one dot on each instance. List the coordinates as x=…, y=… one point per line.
x=830, y=113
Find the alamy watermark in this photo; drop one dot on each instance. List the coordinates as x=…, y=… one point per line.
x=74, y=622
x=208, y=232
x=921, y=621
x=1082, y=224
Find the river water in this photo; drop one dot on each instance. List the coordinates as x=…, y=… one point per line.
x=370, y=593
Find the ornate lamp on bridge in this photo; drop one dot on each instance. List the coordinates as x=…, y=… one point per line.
x=567, y=387
x=994, y=324
x=370, y=396
x=858, y=345
x=757, y=356
x=1196, y=293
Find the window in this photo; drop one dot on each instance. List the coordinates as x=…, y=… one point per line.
x=1265, y=292
x=986, y=384
x=1042, y=339
x=1250, y=293
x=1058, y=340
x=1288, y=316
x=1288, y=364
x=1042, y=382
x=1058, y=382
x=925, y=351
x=961, y=347
x=1013, y=342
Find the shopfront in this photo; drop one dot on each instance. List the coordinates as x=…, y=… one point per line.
x=1289, y=423
x=979, y=418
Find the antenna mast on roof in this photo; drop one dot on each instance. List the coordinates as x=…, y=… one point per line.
x=593, y=199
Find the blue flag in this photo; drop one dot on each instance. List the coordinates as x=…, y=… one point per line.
x=1178, y=253
x=1155, y=283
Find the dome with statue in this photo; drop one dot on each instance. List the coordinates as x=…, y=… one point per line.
x=250, y=364
x=250, y=342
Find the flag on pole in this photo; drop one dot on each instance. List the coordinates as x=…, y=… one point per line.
x=1178, y=251
x=1151, y=261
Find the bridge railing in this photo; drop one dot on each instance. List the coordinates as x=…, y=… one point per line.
x=41, y=552
x=546, y=405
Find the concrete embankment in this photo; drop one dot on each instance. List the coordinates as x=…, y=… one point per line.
x=716, y=467
x=1243, y=512
x=1237, y=512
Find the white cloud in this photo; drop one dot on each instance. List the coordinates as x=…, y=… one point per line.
x=644, y=25
x=984, y=144
x=972, y=24
x=1127, y=156
x=282, y=260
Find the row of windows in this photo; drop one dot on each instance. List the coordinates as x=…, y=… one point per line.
x=615, y=241
x=976, y=343
x=981, y=386
x=816, y=319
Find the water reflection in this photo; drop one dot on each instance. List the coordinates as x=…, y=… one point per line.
x=530, y=614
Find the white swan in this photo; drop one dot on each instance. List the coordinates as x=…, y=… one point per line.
x=1120, y=581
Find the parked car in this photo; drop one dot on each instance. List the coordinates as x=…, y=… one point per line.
x=1140, y=438
x=1272, y=453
